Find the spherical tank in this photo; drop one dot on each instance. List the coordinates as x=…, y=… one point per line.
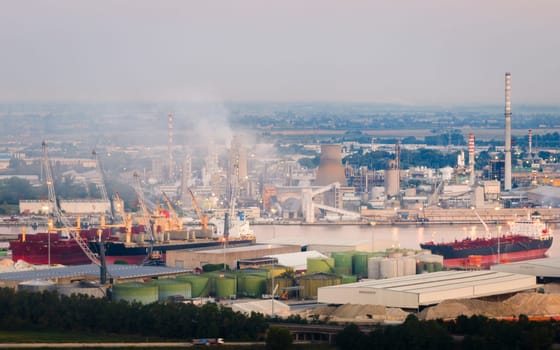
x=330, y=166
x=200, y=285
x=315, y=265
x=172, y=287
x=144, y=293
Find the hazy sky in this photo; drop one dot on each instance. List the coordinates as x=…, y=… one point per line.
x=413, y=52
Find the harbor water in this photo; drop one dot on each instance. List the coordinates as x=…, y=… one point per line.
x=403, y=236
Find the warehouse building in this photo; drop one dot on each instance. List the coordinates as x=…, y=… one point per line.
x=229, y=256
x=543, y=268
x=417, y=291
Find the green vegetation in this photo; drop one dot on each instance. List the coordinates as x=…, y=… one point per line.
x=49, y=317
x=278, y=338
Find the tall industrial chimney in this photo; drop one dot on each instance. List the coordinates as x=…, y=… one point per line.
x=471, y=158
x=170, y=173
x=530, y=143
x=507, y=150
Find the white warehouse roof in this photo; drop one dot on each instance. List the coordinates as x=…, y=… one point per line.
x=411, y=292
x=297, y=261
x=546, y=267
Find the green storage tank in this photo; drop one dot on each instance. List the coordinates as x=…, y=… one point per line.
x=252, y=286
x=200, y=285
x=359, y=264
x=144, y=293
x=311, y=283
x=342, y=262
x=172, y=287
x=320, y=265
x=281, y=282
x=349, y=279
x=225, y=287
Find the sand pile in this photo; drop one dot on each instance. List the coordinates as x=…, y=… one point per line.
x=530, y=304
x=357, y=313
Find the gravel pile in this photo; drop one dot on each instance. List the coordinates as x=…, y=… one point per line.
x=529, y=304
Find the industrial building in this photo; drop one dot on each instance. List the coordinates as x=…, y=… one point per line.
x=228, y=256
x=418, y=291
x=543, y=268
x=68, y=274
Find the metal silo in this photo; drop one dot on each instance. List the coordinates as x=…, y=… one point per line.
x=342, y=263
x=320, y=265
x=144, y=293
x=172, y=287
x=200, y=285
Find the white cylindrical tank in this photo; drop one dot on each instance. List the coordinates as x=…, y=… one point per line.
x=388, y=268
x=373, y=268
x=400, y=266
x=409, y=265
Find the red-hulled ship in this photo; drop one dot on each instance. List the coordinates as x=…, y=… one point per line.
x=526, y=239
x=34, y=248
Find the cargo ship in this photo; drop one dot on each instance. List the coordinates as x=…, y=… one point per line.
x=54, y=248
x=526, y=239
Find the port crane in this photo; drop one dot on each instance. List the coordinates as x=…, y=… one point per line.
x=175, y=223
x=145, y=215
x=54, y=209
x=203, y=218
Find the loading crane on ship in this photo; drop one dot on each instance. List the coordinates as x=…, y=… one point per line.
x=145, y=215
x=175, y=222
x=54, y=209
x=203, y=218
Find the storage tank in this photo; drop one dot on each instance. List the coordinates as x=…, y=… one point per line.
x=320, y=265
x=144, y=293
x=251, y=285
x=360, y=264
x=36, y=286
x=200, y=285
x=172, y=287
x=342, y=263
x=373, y=268
x=82, y=288
x=225, y=287
x=349, y=279
x=400, y=266
x=311, y=283
x=281, y=282
x=388, y=268
x=409, y=265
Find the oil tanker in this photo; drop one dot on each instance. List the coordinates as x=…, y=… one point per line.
x=526, y=239
x=55, y=248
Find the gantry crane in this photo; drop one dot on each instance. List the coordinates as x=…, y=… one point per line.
x=54, y=209
x=203, y=218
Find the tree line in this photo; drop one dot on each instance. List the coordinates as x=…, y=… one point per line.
x=50, y=311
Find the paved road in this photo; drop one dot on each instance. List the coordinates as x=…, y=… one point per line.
x=110, y=345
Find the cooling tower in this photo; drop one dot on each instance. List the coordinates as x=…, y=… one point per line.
x=330, y=166
x=507, y=149
x=392, y=181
